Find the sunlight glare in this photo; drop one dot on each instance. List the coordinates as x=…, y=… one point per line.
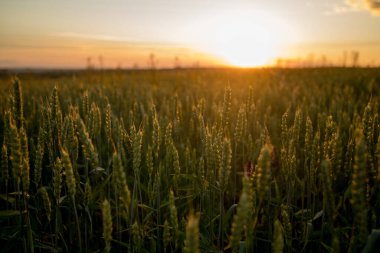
x=243, y=39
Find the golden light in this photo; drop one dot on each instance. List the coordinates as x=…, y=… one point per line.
x=242, y=38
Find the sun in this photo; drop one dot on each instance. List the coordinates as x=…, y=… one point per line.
x=242, y=38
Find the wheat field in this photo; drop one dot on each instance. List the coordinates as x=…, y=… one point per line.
x=212, y=160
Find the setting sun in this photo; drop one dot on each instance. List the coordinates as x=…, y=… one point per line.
x=243, y=39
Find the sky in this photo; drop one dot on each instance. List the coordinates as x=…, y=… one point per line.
x=245, y=33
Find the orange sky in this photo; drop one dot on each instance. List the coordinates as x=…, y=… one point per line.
x=64, y=34
x=75, y=52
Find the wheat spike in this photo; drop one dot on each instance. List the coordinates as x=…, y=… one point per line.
x=46, y=201
x=70, y=178
x=107, y=225
x=278, y=238
x=192, y=235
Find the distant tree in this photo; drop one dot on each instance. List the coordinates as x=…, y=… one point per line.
x=323, y=60
x=152, y=64
x=177, y=63
x=89, y=63
x=152, y=61
x=100, y=61
x=355, y=58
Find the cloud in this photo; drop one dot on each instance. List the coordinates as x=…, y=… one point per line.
x=371, y=5
x=337, y=9
x=118, y=39
x=88, y=36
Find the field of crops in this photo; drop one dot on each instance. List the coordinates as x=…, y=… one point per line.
x=216, y=160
